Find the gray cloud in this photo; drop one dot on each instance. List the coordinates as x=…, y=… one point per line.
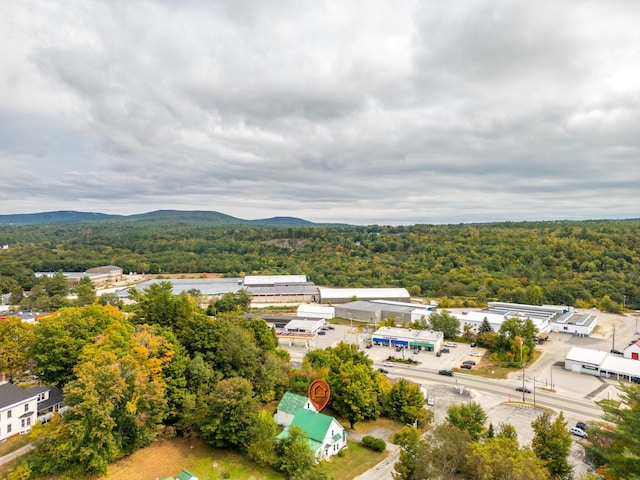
x=416, y=112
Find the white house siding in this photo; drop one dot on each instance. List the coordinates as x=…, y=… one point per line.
x=18, y=418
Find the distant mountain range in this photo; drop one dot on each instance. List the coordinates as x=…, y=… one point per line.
x=173, y=217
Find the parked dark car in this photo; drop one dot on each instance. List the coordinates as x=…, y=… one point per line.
x=368, y=345
x=444, y=350
x=321, y=332
x=473, y=344
x=616, y=352
x=581, y=426
x=439, y=354
x=448, y=373
x=523, y=389
x=467, y=366
x=469, y=362
x=383, y=370
x=331, y=327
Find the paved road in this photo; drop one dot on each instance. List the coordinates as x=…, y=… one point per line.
x=572, y=393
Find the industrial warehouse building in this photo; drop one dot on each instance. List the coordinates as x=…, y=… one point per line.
x=273, y=289
x=560, y=318
x=546, y=318
x=336, y=296
x=375, y=311
x=602, y=364
x=428, y=340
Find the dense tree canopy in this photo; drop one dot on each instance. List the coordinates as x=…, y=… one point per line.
x=565, y=263
x=614, y=447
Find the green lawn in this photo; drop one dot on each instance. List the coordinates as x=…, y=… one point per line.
x=356, y=460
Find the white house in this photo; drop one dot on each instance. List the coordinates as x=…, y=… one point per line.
x=289, y=405
x=18, y=410
x=326, y=436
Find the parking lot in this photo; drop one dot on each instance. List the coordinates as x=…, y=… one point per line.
x=613, y=331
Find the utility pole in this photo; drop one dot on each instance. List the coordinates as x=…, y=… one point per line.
x=613, y=339
x=534, y=390
x=522, y=370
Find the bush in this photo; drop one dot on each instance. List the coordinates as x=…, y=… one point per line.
x=374, y=443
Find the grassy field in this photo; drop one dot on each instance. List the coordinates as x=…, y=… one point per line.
x=12, y=444
x=488, y=369
x=165, y=458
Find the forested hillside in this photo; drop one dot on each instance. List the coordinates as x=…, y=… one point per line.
x=579, y=263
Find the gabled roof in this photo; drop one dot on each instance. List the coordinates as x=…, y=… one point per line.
x=291, y=402
x=55, y=396
x=10, y=395
x=184, y=475
x=633, y=344
x=314, y=423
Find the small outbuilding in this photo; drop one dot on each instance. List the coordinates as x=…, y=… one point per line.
x=184, y=475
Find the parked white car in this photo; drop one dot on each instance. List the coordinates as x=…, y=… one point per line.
x=450, y=344
x=388, y=364
x=430, y=401
x=475, y=354
x=578, y=431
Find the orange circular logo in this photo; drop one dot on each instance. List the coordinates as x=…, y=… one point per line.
x=319, y=393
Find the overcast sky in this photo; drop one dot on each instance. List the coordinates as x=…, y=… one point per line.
x=376, y=112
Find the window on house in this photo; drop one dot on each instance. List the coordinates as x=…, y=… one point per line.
x=26, y=407
x=8, y=413
x=9, y=428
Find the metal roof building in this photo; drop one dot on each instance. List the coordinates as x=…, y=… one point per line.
x=270, y=280
x=375, y=311
x=602, y=364
x=344, y=295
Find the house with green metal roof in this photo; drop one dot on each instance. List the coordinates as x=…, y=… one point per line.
x=326, y=436
x=288, y=407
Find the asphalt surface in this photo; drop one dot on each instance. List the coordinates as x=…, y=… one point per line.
x=552, y=386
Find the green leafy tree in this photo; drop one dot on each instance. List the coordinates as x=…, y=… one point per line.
x=405, y=401
x=552, y=444
x=233, y=302
x=469, y=417
x=262, y=448
x=294, y=457
x=506, y=430
x=354, y=392
x=231, y=414
x=446, y=323
x=409, y=440
x=502, y=458
x=111, y=299
x=86, y=291
x=614, y=448
x=60, y=339
x=116, y=403
x=442, y=453
x=16, y=341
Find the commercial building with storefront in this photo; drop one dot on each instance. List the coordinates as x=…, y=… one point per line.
x=428, y=340
x=602, y=364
